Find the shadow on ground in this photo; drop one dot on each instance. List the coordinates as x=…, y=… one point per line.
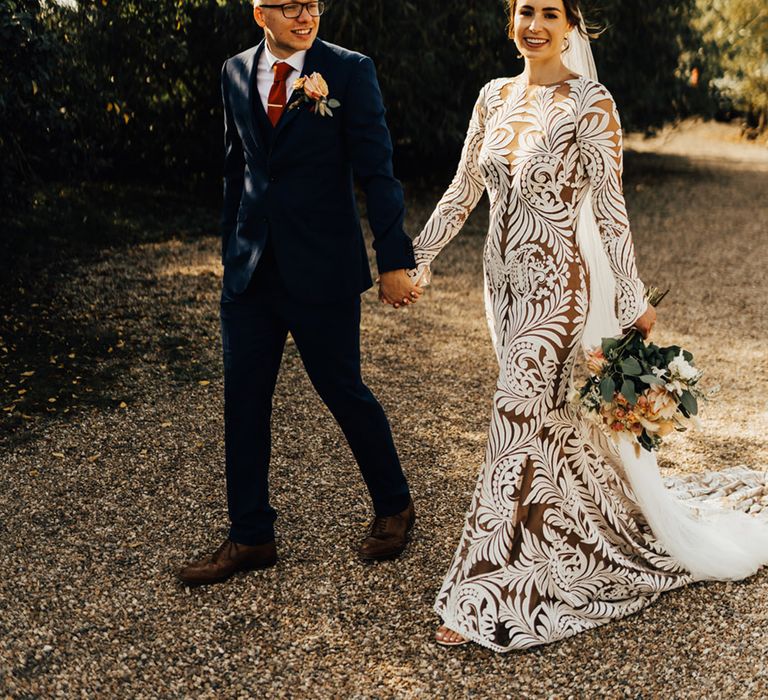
x=109, y=487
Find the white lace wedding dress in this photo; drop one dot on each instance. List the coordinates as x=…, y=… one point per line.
x=565, y=530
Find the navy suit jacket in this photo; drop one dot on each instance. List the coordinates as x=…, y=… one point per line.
x=293, y=183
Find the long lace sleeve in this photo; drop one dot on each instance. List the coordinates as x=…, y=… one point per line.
x=600, y=145
x=459, y=199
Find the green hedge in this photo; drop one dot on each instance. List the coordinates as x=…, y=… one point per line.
x=129, y=88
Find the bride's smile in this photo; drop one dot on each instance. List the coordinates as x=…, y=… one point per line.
x=535, y=42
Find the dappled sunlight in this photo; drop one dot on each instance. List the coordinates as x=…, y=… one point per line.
x=213, y=268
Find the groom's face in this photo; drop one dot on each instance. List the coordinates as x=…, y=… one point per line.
x=286, y=36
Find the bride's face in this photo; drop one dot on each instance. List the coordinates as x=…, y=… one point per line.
x=540, y=27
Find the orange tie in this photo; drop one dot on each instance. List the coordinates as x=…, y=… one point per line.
x=278, y=93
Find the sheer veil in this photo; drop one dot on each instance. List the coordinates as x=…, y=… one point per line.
x=709, y=540
x=602, y=321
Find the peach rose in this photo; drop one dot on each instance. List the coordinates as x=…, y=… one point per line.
x=661, y=403
x=315, y=87
x=595, y=361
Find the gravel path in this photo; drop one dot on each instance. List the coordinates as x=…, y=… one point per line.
x=104, y=491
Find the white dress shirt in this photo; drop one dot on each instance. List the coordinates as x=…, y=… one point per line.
x=265, y=74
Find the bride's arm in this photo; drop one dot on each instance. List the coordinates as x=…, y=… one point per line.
x=600, y=145
x=459, y=199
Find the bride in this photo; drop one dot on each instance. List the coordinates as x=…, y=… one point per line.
x=565, y=531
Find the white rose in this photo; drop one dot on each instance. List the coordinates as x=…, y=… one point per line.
x=683, y=369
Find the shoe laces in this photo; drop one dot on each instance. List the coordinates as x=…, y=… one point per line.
x=379, y=526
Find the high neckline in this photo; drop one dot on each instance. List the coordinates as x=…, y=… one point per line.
x=527, y=84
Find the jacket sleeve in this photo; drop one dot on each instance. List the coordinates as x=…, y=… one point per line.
x=600, y=147
x=370, y=151
x=234, y=167
x=459, y=200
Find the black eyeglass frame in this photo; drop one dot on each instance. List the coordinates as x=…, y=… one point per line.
x=301, y=6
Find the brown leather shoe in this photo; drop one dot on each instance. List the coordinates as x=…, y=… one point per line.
x=389, y=536
x=226, y=560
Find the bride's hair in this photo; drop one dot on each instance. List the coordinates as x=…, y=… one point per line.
x=572, y=14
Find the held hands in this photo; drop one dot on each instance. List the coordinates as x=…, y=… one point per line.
x=396, y=289
x=646, y=322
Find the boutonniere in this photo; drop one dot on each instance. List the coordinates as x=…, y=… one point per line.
x=314, y=89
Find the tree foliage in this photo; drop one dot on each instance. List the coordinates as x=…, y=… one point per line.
x=639, y=56
x=130, y=88
x=737, y=31
x=30, y=121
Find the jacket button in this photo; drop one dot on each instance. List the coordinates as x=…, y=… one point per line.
x=273, y=179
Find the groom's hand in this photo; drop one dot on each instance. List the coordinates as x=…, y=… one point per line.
x=396, y=289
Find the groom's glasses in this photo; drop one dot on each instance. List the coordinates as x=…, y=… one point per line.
x=293, y=10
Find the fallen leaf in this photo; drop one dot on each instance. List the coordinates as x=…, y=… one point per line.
x=123, y=404
x=93, y=458
x=203, y=382
x=28, y=374
x=58, y=455
x=166, y=425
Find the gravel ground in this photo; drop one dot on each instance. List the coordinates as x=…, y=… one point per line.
x=105, y=490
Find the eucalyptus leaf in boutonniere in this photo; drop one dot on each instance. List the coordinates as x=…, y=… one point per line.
x=314, y=89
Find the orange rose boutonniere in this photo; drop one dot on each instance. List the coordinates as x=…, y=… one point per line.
x=314, y=89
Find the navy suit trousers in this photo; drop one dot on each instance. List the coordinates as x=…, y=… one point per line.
x=255, y=325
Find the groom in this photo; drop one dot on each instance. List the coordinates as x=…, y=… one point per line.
x=295, y=262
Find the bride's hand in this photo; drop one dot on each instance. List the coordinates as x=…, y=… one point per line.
x=646, y=322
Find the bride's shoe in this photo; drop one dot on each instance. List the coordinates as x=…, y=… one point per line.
x=448, y=638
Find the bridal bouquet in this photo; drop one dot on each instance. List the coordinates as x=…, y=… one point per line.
x=639, y=389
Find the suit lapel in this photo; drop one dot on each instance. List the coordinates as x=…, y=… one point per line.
x=255, y=108
x=312, y=63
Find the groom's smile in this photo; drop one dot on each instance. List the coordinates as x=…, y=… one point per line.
x=288, y=26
